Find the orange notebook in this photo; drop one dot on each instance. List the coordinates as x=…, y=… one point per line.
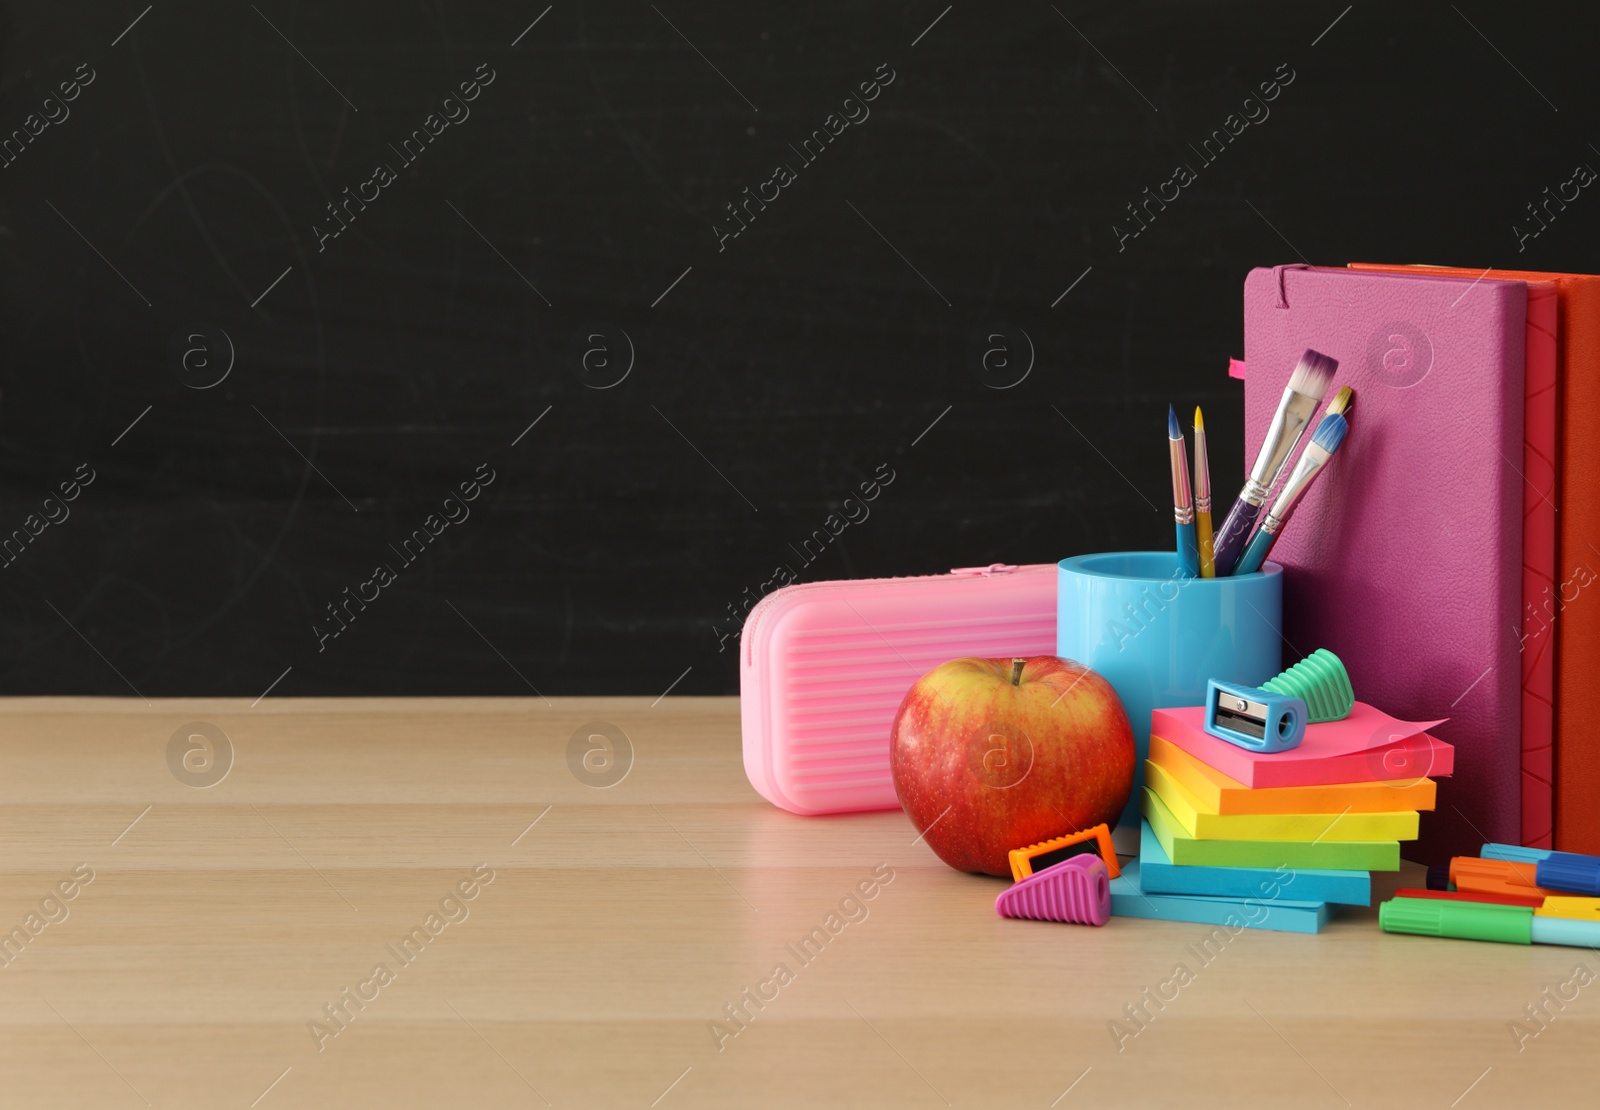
x=1571, y=762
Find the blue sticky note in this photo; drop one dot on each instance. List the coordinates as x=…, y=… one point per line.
x=1279, y=914
x=1159, y=875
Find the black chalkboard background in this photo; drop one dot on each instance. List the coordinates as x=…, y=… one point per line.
x=569, y=228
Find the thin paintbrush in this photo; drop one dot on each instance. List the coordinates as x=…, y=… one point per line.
x=1202, y=497
x=1299, y=404
x=1182, y=502
x=1324, y=442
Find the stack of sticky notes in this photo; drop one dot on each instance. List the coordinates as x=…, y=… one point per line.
x=1273, y=840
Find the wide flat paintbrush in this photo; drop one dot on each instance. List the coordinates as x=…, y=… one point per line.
x=1299, y=404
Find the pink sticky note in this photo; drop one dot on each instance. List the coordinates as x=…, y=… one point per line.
x=1367, y=746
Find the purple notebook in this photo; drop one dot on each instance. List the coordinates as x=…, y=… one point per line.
x=1405, y=559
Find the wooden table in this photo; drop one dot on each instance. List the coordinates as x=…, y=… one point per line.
x=610, y=927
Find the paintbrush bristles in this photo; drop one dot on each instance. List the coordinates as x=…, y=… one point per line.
x=1330, y=433
x=1312, y=374
x=1174, y=431
x=1342, y=402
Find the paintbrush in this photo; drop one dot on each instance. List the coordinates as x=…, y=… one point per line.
x=1202, y=497
x=1299, y=404
x=1324, y=442
x=1182, y=501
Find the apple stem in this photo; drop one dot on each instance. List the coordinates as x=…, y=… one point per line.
x=1016, y=671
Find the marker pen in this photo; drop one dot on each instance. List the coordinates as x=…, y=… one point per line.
x=1497, y=876
x=1438, y=917
x=1572, y=872
x=1579, y=909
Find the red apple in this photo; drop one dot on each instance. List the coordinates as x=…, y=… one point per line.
x=994, y=754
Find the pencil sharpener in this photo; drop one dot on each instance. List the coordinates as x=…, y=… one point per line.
x=1254, y=719
x=1094, y=841
x=1320, y=681
x=1076, y=891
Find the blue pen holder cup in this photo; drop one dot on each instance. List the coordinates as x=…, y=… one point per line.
x=1158, y=637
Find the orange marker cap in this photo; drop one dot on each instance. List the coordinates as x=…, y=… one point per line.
x=1496, y=876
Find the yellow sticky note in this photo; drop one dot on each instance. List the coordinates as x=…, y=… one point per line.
x=1187, y=810
x=1215, y=792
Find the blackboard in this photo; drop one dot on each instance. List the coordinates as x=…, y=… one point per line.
x=550, y=333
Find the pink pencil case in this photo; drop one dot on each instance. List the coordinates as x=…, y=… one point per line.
x=825, y=665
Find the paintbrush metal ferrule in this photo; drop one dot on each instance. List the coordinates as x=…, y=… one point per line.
x=1182, y=500
x=1329, y=435
x=1305, y=471
x=1288, y=427
x=1254, y=492
x=1182, y=497
x=1296, y=407
x=1205, y=538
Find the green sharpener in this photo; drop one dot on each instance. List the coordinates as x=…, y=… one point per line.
x=1320, y=681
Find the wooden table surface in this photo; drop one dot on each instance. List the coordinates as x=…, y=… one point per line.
x=173, y=944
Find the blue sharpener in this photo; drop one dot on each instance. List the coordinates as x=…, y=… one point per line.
x=1254, y=719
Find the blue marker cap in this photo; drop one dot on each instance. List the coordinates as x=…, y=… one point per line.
x=1570, y=872
x=1514, y=853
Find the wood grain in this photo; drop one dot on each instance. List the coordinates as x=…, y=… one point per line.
x=618, y=924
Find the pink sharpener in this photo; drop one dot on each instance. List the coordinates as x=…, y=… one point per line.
x=1076, y=891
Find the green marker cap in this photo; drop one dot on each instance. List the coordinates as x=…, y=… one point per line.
x=1439, y=917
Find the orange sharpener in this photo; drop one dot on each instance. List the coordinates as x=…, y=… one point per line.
x=1036, y=857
